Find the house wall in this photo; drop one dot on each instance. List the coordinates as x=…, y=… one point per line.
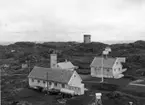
x=35, y=83
x=57, y=66
x=97, y=72
x=64, y=68
x=93, y=72
x=77, y=89
x=75, y=80
x=75, y=84
x=117, y=68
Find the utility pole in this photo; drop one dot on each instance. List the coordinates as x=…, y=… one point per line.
x=28, y=63
x=47, y=81
x=102, y=68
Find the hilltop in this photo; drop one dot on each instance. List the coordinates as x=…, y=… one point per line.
x=79, y=53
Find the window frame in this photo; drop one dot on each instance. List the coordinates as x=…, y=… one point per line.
x=32, y=79
x=38, y=81
x=63, y=85
x=44, y=82
x=55, y=83
x=50, y=83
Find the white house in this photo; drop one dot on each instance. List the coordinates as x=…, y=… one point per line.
x=61, y=65
x=66, y=81
x=112, y=67
x=66, y=65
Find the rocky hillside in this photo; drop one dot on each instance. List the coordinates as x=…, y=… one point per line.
x=79, y=53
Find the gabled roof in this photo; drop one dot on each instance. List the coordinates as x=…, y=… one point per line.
x=107, y=62
x=65, y=65
x=56, y=75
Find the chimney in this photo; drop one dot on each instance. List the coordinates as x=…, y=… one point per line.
x=98, y=100
x=53, y=60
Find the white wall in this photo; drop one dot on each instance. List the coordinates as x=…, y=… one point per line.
x=75, y=79
x=93, y=72
x=98, y=72
x=75, y=84
x=35, y=83
x=117, y=68
x=78, y=90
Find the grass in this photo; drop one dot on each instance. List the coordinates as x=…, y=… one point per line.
x=35, y=97
x=119, y=82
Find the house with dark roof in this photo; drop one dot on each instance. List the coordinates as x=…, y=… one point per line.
x=112, y=67
x=66, y=81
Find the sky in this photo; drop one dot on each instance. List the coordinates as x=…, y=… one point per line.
x=69, y=20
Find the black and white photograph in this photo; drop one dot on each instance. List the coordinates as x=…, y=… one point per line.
x=72, y=52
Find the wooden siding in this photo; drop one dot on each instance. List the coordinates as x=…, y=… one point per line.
x=77, y=88
x=97, y=72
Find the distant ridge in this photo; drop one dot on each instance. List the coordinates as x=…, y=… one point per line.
x=105, y=42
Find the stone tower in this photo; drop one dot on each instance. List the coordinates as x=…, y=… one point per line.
x=53, y=60
x=87, y=38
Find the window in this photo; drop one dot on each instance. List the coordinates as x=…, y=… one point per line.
x=78, y=89
x=63, y=85
x=44, y=82
x=107, y=70
x=38, y=81
x=32, y=80
x=55, y=84
x=114, y=69
x=50, y=83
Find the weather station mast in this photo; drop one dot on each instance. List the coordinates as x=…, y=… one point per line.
x=104, y=53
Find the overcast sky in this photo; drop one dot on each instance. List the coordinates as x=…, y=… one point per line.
x=68, y=20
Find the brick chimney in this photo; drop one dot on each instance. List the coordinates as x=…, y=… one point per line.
x=53, y=60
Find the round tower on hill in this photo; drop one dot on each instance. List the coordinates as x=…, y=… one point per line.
x=53, y=60
x=87, y=38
